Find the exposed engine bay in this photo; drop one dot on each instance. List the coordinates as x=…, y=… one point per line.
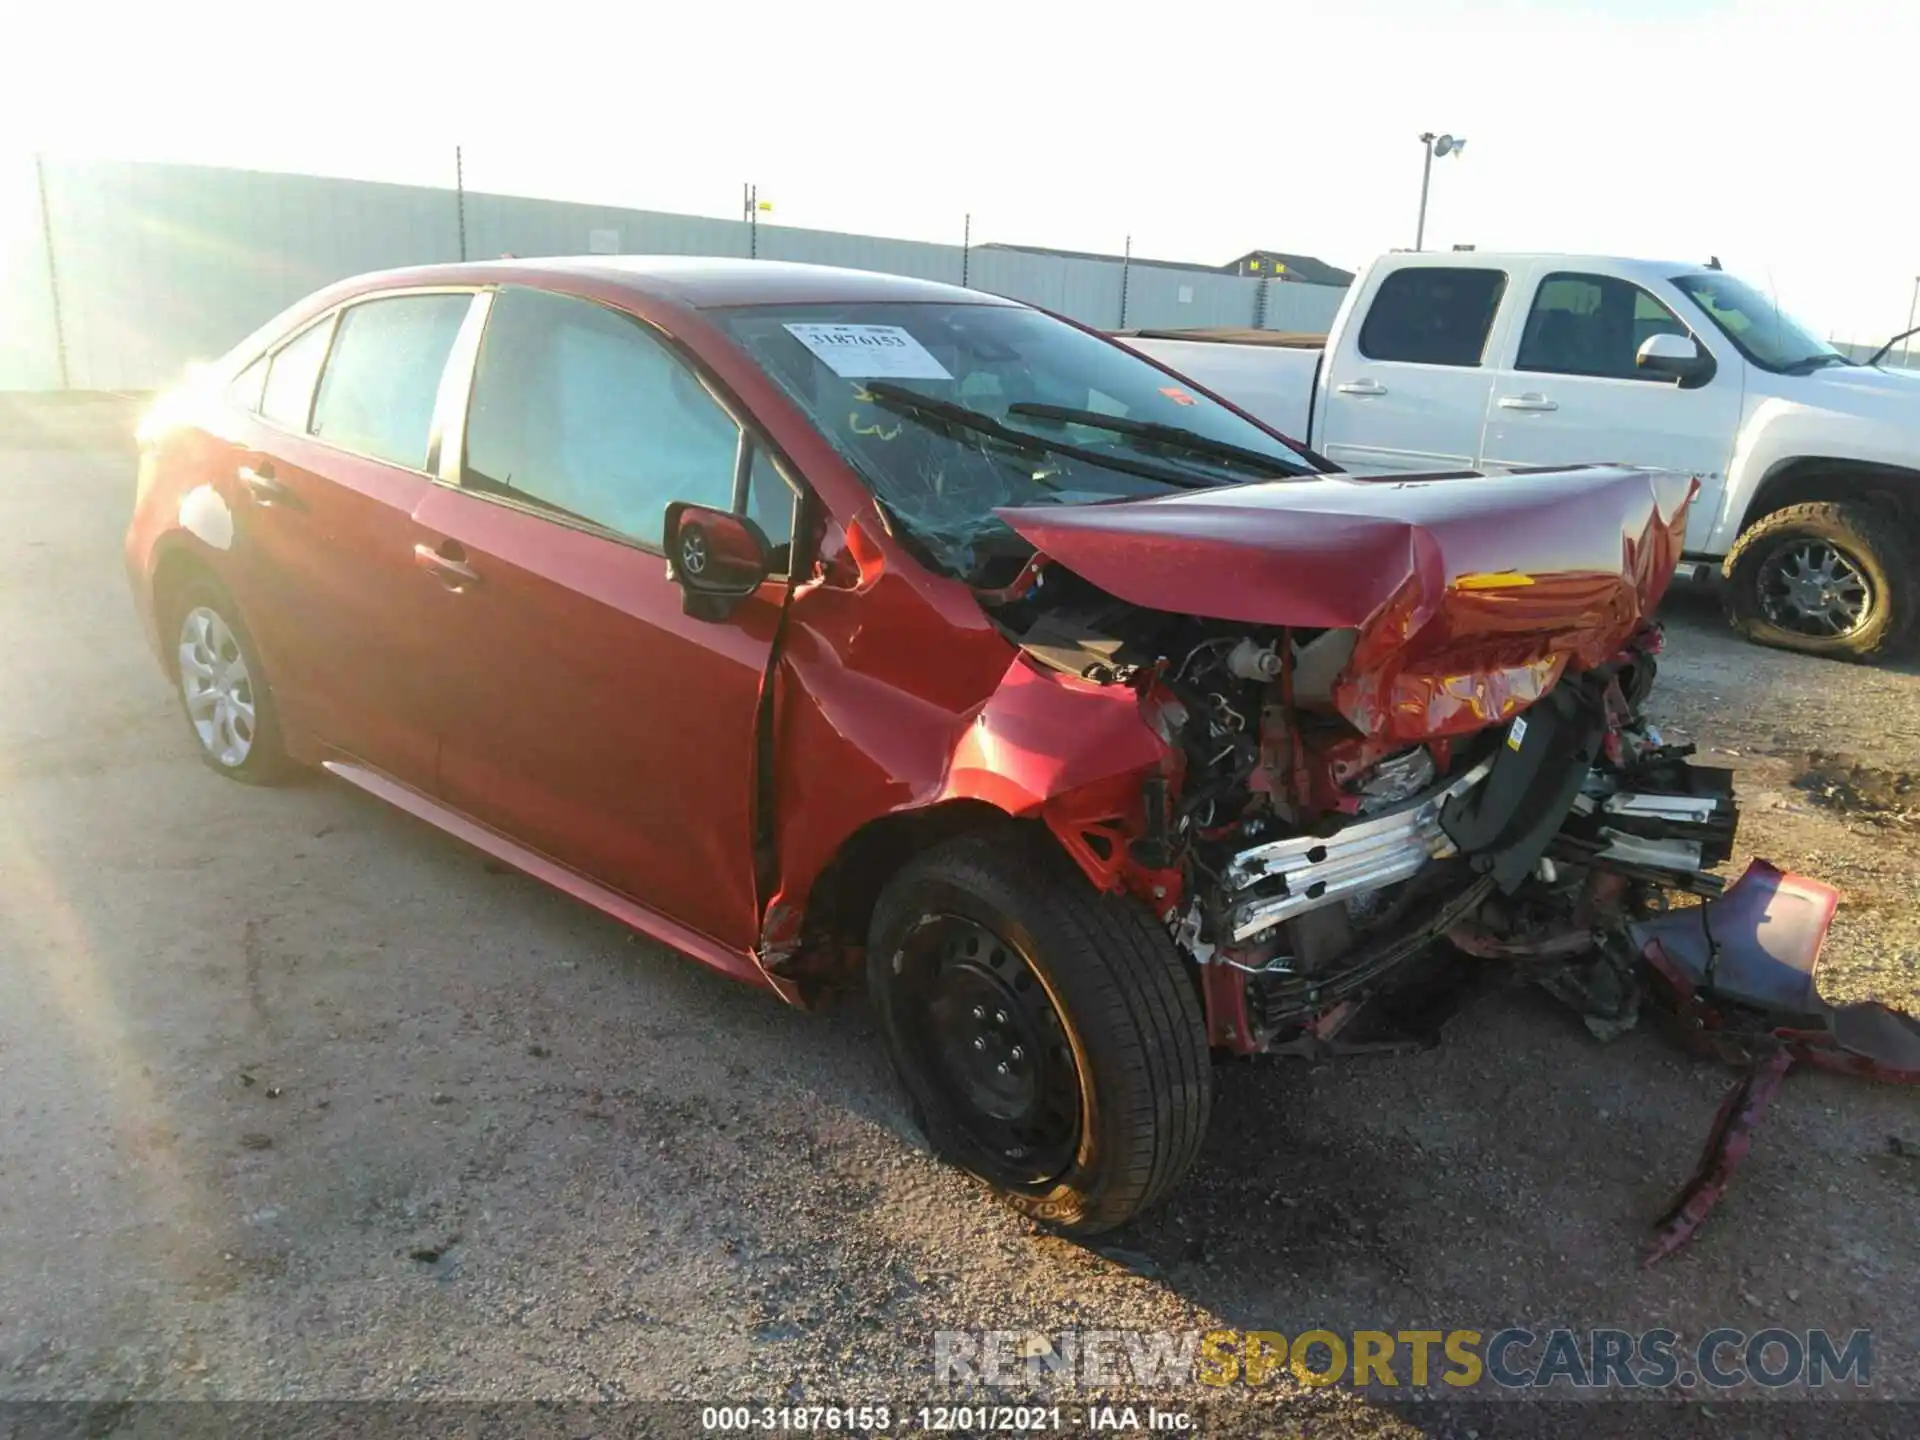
x=1342, y=892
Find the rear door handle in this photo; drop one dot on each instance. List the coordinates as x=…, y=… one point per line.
x=1532, y=400
x=263, y=489
x=447, y=563
x=1362, y=387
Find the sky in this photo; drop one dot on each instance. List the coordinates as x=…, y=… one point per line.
x=1776, y=134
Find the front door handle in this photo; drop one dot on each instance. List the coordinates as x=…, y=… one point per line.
x=1362, y=387
x=447, y=563
x=1532, y=400
x=263, y=489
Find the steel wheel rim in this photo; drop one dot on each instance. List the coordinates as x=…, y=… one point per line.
x=994, y=1047
x=1812, y=587
x=217, y=687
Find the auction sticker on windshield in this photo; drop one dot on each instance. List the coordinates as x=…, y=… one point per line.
x=870, y=352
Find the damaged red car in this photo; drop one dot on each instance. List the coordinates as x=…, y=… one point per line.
x=840, y=629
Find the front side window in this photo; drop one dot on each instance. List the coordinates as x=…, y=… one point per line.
x=1592, y=325
x=770, y=502
x=376, y=396
x=1758, y=328
x=288, y=397
x=950, y=411
x=1433, y=315
x=580, y=410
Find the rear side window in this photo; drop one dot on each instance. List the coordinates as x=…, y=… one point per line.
x=376, y=397
x=1592, y=325
x=1432, y=315
x=288, y=397
x=580, y=410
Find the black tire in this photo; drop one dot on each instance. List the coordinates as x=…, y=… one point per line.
x=1132, y=1021
x=265, y=760
x=1866, y=537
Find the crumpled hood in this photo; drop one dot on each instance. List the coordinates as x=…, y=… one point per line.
x=1470, y=593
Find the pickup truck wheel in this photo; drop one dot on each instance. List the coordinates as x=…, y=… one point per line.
x=1048, y=1036
x=1831, y=578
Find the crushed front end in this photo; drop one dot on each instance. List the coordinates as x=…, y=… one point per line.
x=1407, y=759
x=1336, y=885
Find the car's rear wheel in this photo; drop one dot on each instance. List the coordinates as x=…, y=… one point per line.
x=1832, y=578
x=222, y=687
x=1048, y=1036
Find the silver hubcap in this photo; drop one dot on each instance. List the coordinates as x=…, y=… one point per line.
x=1811, y=587
x=216, y=686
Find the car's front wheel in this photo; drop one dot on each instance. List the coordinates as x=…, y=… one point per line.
x=1829, y=578
x=223, y=690
x=1048, y=1036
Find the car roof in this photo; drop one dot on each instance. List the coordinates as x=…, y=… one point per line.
x=709, y=281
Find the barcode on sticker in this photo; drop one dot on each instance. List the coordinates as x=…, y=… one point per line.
x=1517, y=732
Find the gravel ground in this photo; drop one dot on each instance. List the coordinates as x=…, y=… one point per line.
x=302, y=1099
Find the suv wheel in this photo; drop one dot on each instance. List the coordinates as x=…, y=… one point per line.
x=223, y=691
x=1832, y=578
x=1049, y=1037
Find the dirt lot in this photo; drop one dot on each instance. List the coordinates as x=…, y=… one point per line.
x=303, y=1100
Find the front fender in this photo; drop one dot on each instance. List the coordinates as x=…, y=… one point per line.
x=1077, y=756
x=1042, y=735
x=871, y=729
x=1779, y=432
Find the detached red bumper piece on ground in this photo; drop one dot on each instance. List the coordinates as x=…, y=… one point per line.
x=1738, y=972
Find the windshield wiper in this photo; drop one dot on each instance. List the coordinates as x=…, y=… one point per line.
x=1177, y=436
x=927, y=407
x=1881, y=353
x=1808, y=363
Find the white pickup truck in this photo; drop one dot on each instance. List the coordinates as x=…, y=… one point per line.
x=1809, y=464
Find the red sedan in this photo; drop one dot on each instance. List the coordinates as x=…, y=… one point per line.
x=824, y=624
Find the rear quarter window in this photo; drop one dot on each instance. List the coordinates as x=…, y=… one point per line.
x=250, y=385
x=1433, y=315
x=288, y=397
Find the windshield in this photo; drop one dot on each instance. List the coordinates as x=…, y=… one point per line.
x=1757, y=327
x=993, y=377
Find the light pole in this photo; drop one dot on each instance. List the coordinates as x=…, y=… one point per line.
x=750, y=207
x=1906, y=352
x=1432, y=146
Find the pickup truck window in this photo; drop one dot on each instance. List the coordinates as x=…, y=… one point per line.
x=1433, y=315
x=1592, y=325
x=1757, y=326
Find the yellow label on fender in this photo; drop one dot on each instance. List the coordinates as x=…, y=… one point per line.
x=1496, y=580
x=1517, y=732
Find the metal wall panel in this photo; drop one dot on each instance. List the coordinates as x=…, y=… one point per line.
x=29, y=353
x=1307, y=308
x=163, y=264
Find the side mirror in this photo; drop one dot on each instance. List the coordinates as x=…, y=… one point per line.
x=1675, y=357
x=715, y=556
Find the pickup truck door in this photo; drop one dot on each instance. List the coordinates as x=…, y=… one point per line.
x=1405, y=388
x=1567, y=390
